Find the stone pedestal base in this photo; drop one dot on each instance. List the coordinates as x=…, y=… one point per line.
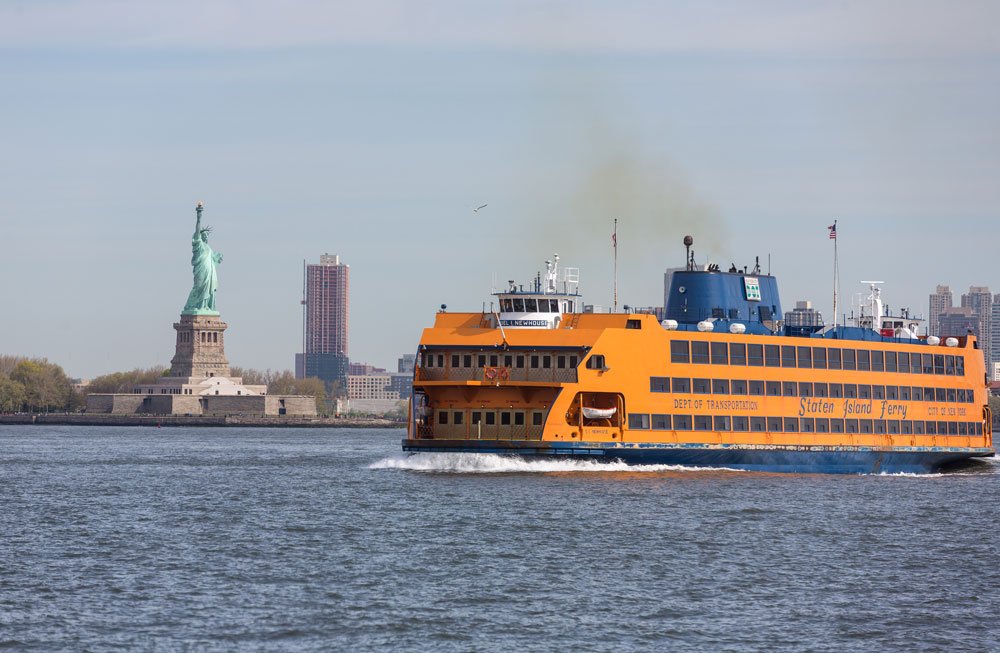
x=200, y=348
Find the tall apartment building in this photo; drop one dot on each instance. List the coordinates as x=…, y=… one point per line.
x=995, y=337
x=980, y=300
x=940, y=299
x=325, y=302
x=958, y=321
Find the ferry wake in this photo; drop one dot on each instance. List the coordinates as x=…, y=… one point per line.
x=720, y=381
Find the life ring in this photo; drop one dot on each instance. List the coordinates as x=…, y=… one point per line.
x=490, y=373
x=504, y=373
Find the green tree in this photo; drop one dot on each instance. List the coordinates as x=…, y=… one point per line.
x=12, y=395
x=125, y=382
x=46, y=385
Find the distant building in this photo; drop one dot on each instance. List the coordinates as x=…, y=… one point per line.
x=363, y=369
x=995, y=331
x=406, y=363
x=803, y=315
x=941, y=299
x=372, y=393
x=980, y=300
x=958, y=321
x=326, y=288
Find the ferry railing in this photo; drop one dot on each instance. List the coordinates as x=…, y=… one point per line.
x=498, y=374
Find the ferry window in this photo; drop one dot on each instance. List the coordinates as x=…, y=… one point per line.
x=952, y=395
x=459, y=417
x=866, y=426
x=952, y=428
x=864, y=391
x=821, y=390
x=979, y=428
x=772, y=356
x=572, y=361
x=737, y=354
x=836, y=425
x=699, y=353
x=949, y=365
x=467, y=360
x=756, y=388
x=903, y=366
x=891, y=392
x=519, y=361
x=880, y=426
x=661, y=422
x=927, y=364
x=805, y=357
x=702, y=422
x=822, y=425
x=659, y=384
x=701, y=386
x=836, y=390
x=939, y=394
x=939, y=364
x=454, y=360
x=679, y=352
x=720, y=386
x=505, y=418
x=805, y=389
x=893, y=427
x=774, y=424
x=720, y=353
x=533, y=364
x=536, y=419
x=546, y=362
x=850, y=361
x=518, y=418
x=494, y=360
x=850, y=426
x=518, y=305
x=906, y=426
x=530, y=306
x=833, y=359
x=506, y=306
x=719, y=313
x=904, y=392
x=491, y=418
x=429, y=360
x=931, y=427
x=773, y=388
x=963, y=429
x=633, y=324
x=481, y=360
x=850, y=391
x=960, y=366
x=739, y=387
x=787, y=356
x=806, y=425
x=723, y=423
x=595, y=362
x=864, y=360
x=508, y=361
x=917, y=393
x=755, y=355
x=789, y=389
x=741, y=423
x=561, y=362
x=758, y=425
x=819, y=358
x=682, y=422
x=890, y=361
x=928, y=394
x=681, y=385
x=442, y=417
x=878, y=392
x=477, y=417
x=440, y=360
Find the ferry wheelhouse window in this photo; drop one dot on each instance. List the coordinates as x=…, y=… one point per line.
x=595, y=362
x=738, y=353
x=506, y=305
x=720, y=353
x=699, y=353
x=518, y=305
x=530, y=306
x=659, y=384
x=772, y=356
x=638, y=421
x=755, y=355
x=679, y=352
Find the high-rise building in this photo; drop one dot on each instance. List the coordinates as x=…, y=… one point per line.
x=803, y=319
x=980, y=300
x=995, y=335
x=958, y=321
x=325, y=315
x=940, y=299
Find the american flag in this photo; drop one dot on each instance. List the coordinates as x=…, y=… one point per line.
x=833, y=231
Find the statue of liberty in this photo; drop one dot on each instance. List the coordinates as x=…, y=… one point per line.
x=201, y=301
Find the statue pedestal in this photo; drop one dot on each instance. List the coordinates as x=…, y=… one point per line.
x=200, y=348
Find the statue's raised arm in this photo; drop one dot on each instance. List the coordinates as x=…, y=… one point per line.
x=201, y=300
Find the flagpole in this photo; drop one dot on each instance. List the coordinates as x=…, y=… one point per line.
x=614, y=244
x=836, y=273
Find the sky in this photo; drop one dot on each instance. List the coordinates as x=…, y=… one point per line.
x=372, y=129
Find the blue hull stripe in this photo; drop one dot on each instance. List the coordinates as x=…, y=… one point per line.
x=805, y=459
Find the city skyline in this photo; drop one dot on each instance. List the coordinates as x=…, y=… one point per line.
x=374, y=131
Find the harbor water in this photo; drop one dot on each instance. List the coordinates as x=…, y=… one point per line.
x=330, y=539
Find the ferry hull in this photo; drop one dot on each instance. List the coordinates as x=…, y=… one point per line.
x=816, y=460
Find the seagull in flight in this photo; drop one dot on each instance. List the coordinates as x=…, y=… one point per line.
x=476, y=210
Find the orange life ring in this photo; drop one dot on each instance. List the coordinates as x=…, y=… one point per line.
x=490, y=373
x=504, y=373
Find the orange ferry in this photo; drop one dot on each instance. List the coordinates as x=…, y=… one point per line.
x=719, y=382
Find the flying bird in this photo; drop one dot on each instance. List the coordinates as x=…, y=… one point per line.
x=476, y=210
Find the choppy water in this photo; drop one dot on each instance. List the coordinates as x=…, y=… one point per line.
x=225, y=539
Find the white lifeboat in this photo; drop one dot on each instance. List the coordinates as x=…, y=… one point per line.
x=599, y=413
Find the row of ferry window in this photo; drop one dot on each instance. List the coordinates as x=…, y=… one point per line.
x=807, y=389
x=529, y=305
x=644, y=421
x=820, y=358
x=531, y=361
x=489, y=417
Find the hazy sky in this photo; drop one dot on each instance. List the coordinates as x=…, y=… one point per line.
x=372, y=129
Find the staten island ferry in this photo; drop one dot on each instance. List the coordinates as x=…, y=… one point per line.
x=718, y=382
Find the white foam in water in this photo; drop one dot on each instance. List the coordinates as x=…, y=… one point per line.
x=480, y=463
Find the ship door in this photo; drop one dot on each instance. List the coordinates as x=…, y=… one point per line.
x=599, y=415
